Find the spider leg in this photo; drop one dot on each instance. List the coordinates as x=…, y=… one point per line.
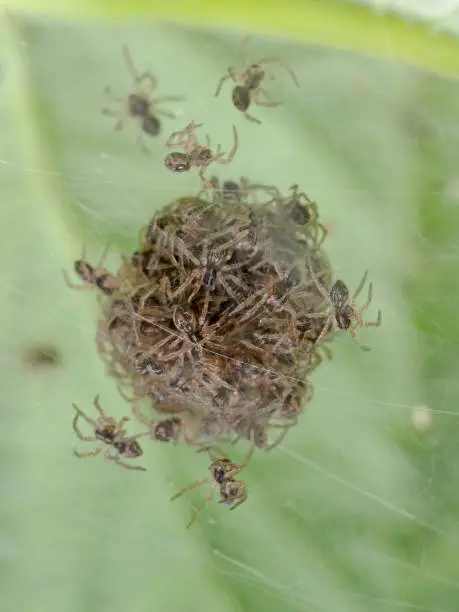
x=176, y=139
x=359, y=289
x=129, y=62
x=108, y=112
x=232, y=153
x=324, y=231
x=77, y=286
x=147, y=76
x=76, y=429
x=258, y=102
x=201, y=506
x=136, y=410
x=168, y=99
x=136, y=75
x=166, y=113
x=193, y=485
x=80, y=413
x=205, y=308
x=221, y=83
x=250, y=118
x=352, y=329
x=139, y=435
x=98, y=406
x=109, y=93
x=376, y=323
x=282, y=435
x=243, y=50
x=92, y=453
x=123, y=464
x=321, y=289
x=121, y=422
x=325, y=329
x=287, y=68
x=203, y=178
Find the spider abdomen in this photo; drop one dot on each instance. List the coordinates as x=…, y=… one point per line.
x=241, y=98
x=151, y=125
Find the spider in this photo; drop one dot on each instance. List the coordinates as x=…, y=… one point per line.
x=222, y=471
x=110, y=432
x=212, y=270
x=303, y=211
x=273, y=295
x=343, y=313
x=232, y=192
x=93, y=277
x=139, y=104
x=248, y=82
x=194, y=154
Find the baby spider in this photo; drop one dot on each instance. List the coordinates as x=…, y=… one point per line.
x=303, y=211
x=194, y=154
x=248, y=82
x=139, y=104
x=343, y=313
x=93, y=277
x=111, y=432
x=222, y=472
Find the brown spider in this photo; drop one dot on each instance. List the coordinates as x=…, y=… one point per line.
x=273, y=295
x=248, y=82
x=222, y=471
x=232, y=192
x=343, y=313
x=139, y=104
x=112, y=433
x=303, y=211
x=194, y=154
x=212, y=270
x=93, y=277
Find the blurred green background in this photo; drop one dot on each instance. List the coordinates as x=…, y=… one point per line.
x=359, y=509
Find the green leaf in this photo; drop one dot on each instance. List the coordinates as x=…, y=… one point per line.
x=359, y=510
x=334, y=23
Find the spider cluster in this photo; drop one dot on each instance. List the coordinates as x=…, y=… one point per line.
x=214, y=324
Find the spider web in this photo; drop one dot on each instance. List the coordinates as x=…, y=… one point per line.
x=358, y=508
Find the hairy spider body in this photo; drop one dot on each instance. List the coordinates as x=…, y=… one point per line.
x=167, y=430
x=139, y=104
x=195, y=155
x=248, y=81
x=177, y=162
x=151, y=125
x=343, y=313
x=339, y=296
x=303, y=211
x=241, y=98
x=222, y=472
x=92, y=276
x=111, y=433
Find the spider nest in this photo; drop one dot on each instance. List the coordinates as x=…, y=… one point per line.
x=217, y=312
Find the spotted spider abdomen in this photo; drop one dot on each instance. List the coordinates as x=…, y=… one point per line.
x=339, y=294
x=165, y=430
x=177, y=162
x=130, y=449
x=300, y=214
